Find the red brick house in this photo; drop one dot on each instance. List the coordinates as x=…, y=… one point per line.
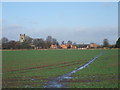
x=64, y=46
x=53, y=46
x=93, y=45
x=73, y=46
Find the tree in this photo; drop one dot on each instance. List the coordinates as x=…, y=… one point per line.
x=4, y=40
x=12, y=44
x=4, y=43
x=69, y=42
x=75, y=43
x=28, y=40
x=40, y=43
x=49, y=39
x=62, y=42
x=26, y=44
x=118, y=43
x=105, y=43
x=54, y=41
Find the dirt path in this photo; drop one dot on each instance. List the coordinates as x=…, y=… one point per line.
x=56, y=83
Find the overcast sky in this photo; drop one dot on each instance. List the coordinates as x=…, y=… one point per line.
x=80, y=22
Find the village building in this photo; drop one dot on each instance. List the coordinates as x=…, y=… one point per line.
x=64, y=46
x=33, y=46
x=83, y=46
x=53, y=46
x=73, y=46
x=111, y=46
x=22, y=38
x=93, y=45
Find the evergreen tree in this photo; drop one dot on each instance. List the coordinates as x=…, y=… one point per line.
x=118, y=43
x=105, y=43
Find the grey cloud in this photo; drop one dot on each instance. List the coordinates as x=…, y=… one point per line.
x=79, y=35
x=97, y=34
x=12, y=31
x=12, y=27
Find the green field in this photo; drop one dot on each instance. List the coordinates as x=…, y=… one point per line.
x=33, y=68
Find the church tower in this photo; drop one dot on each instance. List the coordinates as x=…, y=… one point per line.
x=22, y=38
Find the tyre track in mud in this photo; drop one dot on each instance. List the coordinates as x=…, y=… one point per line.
x=57, y=82
x=15, y=79
x=63, y=64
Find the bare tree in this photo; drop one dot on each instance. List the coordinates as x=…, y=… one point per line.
x=62, y=42
x=54, y=41
x=49, y=39
x=74, y=43
x=28, y=40
x=105, y=43
x=40, y=43
x=69, y=42
x=4, y=40
x=118, y=43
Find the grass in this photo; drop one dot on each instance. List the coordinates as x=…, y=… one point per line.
x=103, y=73
x=33, y=68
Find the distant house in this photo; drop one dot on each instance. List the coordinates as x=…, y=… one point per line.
x=53, y=46
x=111, y=46
x=73, y=46
x=83, y=46
x=33, y=46
x=93, y=45
x=64, y=46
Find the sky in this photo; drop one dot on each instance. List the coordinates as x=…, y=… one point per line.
x=80, y=22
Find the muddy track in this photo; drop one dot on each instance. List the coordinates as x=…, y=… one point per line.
x=63, y=64
x=57, y=82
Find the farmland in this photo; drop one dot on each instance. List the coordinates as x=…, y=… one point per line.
x=33, y=68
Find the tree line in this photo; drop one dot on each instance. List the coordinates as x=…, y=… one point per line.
x=29, y=43
x=40, y=43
